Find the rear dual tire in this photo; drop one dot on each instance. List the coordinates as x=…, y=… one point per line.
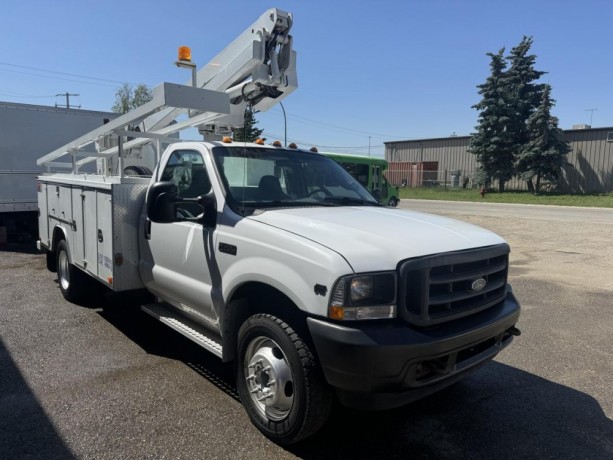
x=72, y=281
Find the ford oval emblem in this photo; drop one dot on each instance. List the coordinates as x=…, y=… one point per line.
x=478, y=284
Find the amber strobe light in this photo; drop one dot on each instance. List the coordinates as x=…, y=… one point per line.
x=185, y=53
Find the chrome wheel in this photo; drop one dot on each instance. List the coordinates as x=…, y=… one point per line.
x=63, y=270
x=269, y=378
x=279, y=381
x=72, y=281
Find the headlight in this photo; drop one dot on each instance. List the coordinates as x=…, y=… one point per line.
x=366, y=296
x=361, y=288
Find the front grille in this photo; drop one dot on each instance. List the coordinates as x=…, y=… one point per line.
x=444, y=287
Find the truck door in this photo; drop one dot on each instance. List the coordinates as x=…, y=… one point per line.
x=176, y=256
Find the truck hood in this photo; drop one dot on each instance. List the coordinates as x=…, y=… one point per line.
x=373, y=238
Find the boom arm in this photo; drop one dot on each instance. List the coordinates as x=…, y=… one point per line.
x=257, y=68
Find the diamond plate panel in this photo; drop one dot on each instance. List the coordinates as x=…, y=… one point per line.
x=128, y=199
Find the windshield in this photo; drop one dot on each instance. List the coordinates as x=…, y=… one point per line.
x=257, y=178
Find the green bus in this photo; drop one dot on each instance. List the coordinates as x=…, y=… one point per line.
x=368, y=171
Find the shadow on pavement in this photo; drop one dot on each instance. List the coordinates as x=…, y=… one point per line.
x=124, y=313
x=21, y=248
x=498, y=412
x=25, y=429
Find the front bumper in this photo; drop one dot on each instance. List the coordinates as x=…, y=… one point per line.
x=386, y=365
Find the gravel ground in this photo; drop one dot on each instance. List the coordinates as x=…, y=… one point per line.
x=104, y=380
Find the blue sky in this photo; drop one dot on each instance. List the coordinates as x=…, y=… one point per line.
x=368, y=72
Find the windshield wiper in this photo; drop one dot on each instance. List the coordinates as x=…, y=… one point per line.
x=346, y=200
x=291, y=204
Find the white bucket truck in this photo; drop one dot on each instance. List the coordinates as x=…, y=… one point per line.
x=275, y=259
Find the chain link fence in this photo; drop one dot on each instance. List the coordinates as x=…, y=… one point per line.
x=423, y=175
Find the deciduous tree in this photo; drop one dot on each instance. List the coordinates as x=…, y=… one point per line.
x=128, y=98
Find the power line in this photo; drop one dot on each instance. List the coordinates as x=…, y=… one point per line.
x=329, y=125
x=25, y=96
x=59, y=78
x=276, y=136
x=341, y=128
x=61, y=73
x=304, y=120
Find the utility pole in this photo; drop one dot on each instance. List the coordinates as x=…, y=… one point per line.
x=591, y=115
x=368, y=145
x=67, y=96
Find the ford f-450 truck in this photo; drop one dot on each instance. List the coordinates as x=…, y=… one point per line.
x=276, y=259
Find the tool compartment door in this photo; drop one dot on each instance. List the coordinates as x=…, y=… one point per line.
x=43, y=217
x=104, y=235
x=89, y=230
x=78, y=248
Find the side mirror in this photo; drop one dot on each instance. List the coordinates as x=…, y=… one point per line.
x=162, y=202
x=209, y=204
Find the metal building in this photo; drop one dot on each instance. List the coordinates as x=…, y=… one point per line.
x=446, y=161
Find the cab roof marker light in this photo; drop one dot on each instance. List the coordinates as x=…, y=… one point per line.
x=277, y=144
x=293, y=146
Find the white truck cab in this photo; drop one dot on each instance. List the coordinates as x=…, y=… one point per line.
x=280, y=261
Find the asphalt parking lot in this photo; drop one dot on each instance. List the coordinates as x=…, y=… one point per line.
x=104, y=380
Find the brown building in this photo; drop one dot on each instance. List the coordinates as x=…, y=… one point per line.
x=446, y=161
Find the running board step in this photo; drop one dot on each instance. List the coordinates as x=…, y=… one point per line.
x=184, y=326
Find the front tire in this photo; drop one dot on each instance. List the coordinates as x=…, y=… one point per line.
x=279, y=381
x=71, y=280
x=393, y=202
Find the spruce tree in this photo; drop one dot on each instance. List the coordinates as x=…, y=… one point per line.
x=525, y=94
x=544, y=155
x=249, y=132
x=493, y=143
